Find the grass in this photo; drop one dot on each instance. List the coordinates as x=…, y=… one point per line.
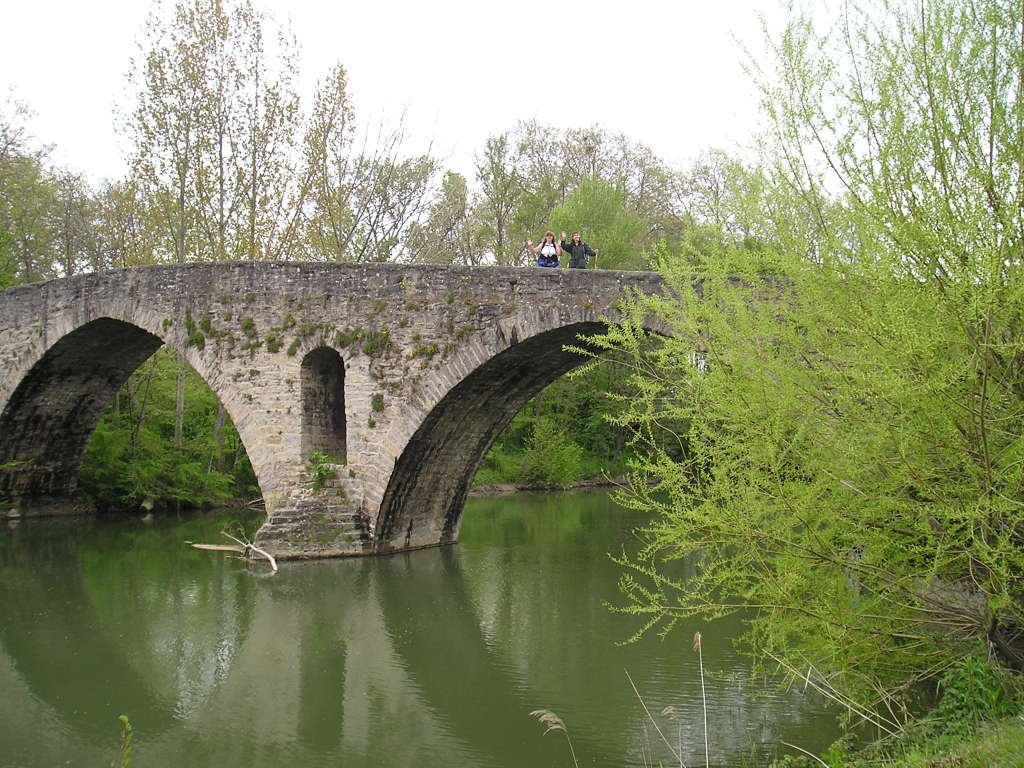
x=554, y=723
x=955, y=737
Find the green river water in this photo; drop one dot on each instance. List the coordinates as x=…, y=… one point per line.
x=433, y=658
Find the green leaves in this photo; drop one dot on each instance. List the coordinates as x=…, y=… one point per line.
x=129, y=457
x=843, y=400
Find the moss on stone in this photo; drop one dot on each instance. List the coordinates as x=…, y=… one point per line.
x=376, y=342
x=425, y=350
x=347, y=337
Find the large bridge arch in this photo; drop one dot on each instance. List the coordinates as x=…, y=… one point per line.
x=400, y=368
x=442, y=456
x=64, y=385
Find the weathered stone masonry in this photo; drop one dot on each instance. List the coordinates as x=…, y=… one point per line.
x=403, y=375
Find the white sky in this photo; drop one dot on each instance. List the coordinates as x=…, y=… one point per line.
x=667, y=73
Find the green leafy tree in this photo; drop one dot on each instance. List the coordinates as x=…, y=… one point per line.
x=845, y=403
x=447, y=236
x=358, y=201
x=597, y=210
x=28, y=200
x=6, y=262
x=501, y=188
x=127, y=459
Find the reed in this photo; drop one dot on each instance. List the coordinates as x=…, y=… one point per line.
x=555, y=723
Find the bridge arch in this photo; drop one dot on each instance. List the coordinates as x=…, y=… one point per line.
x=436, y=468
x=53, y=411
x=63, y=391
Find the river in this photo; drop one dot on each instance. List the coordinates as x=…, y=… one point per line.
x=432, y=658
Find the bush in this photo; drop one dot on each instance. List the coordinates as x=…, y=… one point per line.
x=552, y=457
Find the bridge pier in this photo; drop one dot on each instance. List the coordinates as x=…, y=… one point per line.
x=395, y=378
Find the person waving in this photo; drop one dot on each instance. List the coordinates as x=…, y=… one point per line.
x=548, y=252
x=578, y=251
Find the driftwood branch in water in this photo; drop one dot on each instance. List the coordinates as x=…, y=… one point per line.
x=221, y=547
x=245, y=548
x=250, y=547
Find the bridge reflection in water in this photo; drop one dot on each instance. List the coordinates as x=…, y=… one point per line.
x=427, y=658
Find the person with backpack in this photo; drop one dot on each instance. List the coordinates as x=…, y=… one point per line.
x=548, y=251
x=578, y=251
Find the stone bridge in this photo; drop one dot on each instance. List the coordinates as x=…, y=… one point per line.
x=404, y=374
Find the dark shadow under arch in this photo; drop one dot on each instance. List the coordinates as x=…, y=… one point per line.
x=431, y=478
x=323, y=403
x=49, y=419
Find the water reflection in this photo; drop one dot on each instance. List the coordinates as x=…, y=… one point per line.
x=430, y=658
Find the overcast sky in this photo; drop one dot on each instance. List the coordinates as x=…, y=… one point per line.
x=666, y=73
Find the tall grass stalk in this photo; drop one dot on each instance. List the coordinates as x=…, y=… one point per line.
x=809, y=754
x=555, y=723
x=703, y=697
x=668, y=744
x=831, y=693
x=124, y=753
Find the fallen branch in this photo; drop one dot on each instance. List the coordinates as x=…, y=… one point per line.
x=220, y=547
x=250, y=548
x=244, y=548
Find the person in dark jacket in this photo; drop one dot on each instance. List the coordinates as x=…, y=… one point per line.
x=578, y=251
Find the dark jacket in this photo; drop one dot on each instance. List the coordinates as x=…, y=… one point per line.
x=578, y=254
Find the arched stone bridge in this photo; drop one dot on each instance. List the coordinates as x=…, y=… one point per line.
x=409, y=372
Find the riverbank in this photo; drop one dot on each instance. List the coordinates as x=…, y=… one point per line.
x=995, y=744
x=506, y=489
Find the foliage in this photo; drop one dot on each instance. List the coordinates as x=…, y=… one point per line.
x=358, y=202
x=321, y=469
x=973, y=691
x=447, y=236
x=212, y=130
x=561, y=436
x=834, y=425
x=7, y=272
x=552, y=458
x=128, y=458
x=597, y=209
x=124, y=752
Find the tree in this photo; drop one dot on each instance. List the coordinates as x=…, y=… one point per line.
x=6, y=262
x=358, y=204
x=213, y=131
x=501, y=188
x=73, y=224
x=128, y=232
x=597, y=210
x=846, y=412
x=447, y=236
